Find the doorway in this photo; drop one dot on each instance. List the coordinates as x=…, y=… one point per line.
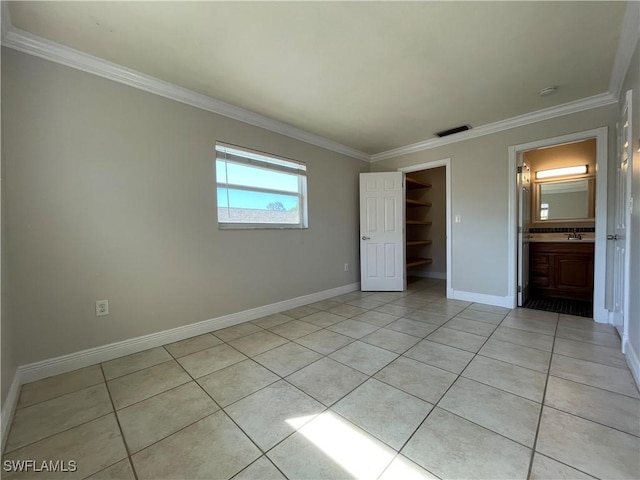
x=576, y=231
x=428, y=232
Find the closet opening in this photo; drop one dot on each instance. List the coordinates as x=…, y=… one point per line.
x=427, y=228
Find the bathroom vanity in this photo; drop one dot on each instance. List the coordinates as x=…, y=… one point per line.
x=561, y=269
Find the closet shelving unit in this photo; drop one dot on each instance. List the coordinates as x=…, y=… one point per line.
x=416, y=221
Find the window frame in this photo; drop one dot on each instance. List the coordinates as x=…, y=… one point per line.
x=269, y=162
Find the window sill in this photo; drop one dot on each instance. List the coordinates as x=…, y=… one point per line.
x=259, y=226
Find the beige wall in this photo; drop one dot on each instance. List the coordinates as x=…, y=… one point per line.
x=480, y=194
x=578, y=153
x=437, y=213
x=632, y=82
x=111, y=195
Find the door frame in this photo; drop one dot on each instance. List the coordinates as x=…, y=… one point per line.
x=446, y=163
x=600, y=313
x=522, y=278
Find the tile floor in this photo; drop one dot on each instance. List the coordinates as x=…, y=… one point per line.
x=365, y=385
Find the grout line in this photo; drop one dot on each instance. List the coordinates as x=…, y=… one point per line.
x=597, y=388
x=57, y=433
x=516, y=327
x=322, y=353
x=317, y=399
x=109, y=466
x=182, y=428
x=625, y=369
x=70, y=428
x=518, y=344
x=486, y=428
x=194, y=351
x=458, y=375
x=58, y=396
x=502, y=390
x=102, y=382
x=436, y=405
x=39, y=403
x=133, y=469
x=484, y=355
x=221, y=409
x=153, y=396
x=256, y=461
x=544, y=394
x=137, y=370
x=591, y=420
x=566, y=465
x=115, y=414
x=171, y=434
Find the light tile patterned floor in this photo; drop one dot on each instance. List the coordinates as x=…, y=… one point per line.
x=386, y=385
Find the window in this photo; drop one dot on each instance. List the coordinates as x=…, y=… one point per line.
x=257, y=190
x=544, y=211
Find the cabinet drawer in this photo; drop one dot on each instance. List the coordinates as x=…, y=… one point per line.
x=539, y=281
x=539, y=268
x=537, y=258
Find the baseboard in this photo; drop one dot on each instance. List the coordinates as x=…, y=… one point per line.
x=436, y=275
x=92, y=356
x=9, y=406
x=633, y=360
x=495, y=300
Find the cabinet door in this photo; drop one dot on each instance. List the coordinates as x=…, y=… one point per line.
x=574, y=273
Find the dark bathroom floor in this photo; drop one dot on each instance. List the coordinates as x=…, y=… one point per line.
x=559, y=305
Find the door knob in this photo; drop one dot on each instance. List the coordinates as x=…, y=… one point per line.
x=366, y=238
x=612, y=237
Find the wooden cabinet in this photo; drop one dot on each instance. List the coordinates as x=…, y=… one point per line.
x=561, y=270
x=416, y=231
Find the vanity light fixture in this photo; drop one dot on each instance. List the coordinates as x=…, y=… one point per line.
x=560, y=172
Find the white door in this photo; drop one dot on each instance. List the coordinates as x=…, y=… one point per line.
x=623, y=218
x=524, y=221
x=382, y=247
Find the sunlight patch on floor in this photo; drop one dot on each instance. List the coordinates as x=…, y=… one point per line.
x=351, y=448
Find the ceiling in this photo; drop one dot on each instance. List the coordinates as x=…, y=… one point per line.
x=373, y=76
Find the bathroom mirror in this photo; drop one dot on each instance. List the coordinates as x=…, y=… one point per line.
x=564, y=200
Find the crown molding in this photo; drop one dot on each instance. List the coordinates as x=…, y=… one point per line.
x=626, y=46
x=34, y=45
x=581, y=105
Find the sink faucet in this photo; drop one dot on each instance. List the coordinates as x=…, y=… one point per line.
x=574, y=235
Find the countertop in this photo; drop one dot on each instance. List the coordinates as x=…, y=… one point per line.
x=559, y=238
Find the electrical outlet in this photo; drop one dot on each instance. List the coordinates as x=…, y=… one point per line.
x=102, y=308
x=346, y=267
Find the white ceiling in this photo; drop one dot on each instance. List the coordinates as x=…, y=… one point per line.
x=370, y=75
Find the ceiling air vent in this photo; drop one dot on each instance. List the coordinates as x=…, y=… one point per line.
x=451, y=131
